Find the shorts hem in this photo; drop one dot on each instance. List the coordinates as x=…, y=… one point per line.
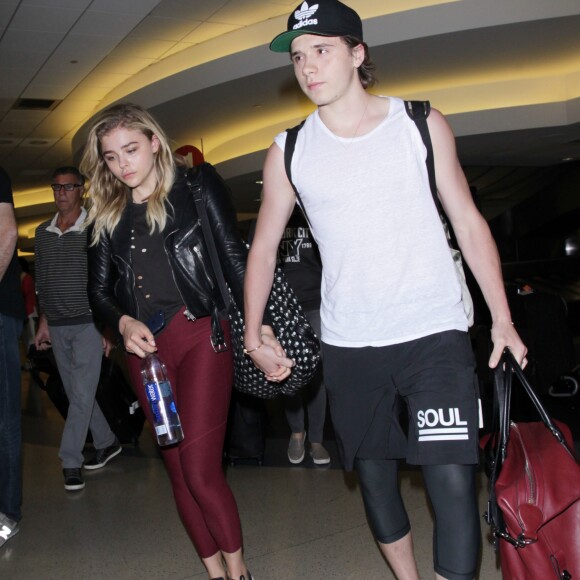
x=396, y=536
x=448, y=575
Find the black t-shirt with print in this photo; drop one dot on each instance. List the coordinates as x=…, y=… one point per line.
x=300, y=259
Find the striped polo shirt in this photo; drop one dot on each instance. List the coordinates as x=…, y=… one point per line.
x=61, y=272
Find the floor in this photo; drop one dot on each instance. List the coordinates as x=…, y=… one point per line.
x=299, y=522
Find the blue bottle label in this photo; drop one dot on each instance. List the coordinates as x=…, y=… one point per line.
x=156, y=392
x=152, y=392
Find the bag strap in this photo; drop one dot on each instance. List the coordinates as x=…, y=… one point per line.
x=291, y=137
x=512, y=365
x=418, y=111
x=193, y=183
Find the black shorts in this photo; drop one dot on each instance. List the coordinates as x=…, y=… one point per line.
x=435, y=376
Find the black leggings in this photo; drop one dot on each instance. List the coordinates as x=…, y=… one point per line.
x=452, y=492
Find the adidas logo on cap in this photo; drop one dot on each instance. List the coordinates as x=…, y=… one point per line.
x=303, y=15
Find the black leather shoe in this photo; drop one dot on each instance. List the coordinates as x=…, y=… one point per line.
x=73, y=480
x=103, y=456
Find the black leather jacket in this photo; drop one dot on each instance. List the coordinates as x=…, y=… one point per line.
x=111, y=277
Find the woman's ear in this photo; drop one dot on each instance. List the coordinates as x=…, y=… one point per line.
x=155, y=143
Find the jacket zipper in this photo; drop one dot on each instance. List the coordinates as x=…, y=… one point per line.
x=132, y=274
x=207, y=277
x=187, y=312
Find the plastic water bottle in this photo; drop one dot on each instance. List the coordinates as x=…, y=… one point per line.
x=160, y=396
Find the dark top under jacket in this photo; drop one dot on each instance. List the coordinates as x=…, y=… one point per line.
x=112, y=279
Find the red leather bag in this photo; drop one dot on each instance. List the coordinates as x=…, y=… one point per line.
x=534, y=489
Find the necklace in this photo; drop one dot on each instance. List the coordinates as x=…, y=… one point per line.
x=346, y=142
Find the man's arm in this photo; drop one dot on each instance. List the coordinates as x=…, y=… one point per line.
x=277, y=204
x=42, y=337
x=8, y=236
x=474, y=238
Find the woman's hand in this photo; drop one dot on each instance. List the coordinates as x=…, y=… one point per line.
x=270, y=357
x=137, y=338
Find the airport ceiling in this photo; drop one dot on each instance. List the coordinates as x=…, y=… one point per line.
x=505, y=72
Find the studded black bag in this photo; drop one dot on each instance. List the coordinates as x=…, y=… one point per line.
x=286, y=316
x=293, y=332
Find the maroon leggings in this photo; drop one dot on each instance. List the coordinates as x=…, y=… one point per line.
x=202, y=383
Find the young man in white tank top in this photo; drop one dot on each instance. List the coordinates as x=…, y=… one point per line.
x=393, y=326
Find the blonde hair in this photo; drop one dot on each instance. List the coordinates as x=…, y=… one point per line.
x=108, y=195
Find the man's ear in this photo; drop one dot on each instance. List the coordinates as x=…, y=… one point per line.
x=358, y=55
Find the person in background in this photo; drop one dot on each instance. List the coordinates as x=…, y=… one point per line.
x=300, y=260
x=29, y=293
x=146, y=237
x=66, y=324
x=11, y=319
x=393, y=322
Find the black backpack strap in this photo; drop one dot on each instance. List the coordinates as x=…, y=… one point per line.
x=291, y=136
x=419, y=111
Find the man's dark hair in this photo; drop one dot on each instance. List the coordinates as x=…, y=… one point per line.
x=366, y=71
x=69, y=169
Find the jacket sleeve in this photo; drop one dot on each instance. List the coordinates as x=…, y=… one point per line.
x=232, y=251
x=102, y=274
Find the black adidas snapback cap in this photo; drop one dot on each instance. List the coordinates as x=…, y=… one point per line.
x=322, y=17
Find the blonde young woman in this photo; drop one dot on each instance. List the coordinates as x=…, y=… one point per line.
x=147, y=258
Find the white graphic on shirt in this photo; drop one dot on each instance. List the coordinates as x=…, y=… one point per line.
x=441, y=425
x=303, y=15
x=289, y=250
x=293, y=241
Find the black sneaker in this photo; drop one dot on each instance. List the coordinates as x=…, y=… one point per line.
x=103, y=456
x=73, y=480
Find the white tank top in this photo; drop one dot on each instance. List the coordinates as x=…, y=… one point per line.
x=388, y=276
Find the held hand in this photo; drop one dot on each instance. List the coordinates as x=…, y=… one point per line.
x=271, y=359
x=503, y=334
x=137, y=338
x=268, y=336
